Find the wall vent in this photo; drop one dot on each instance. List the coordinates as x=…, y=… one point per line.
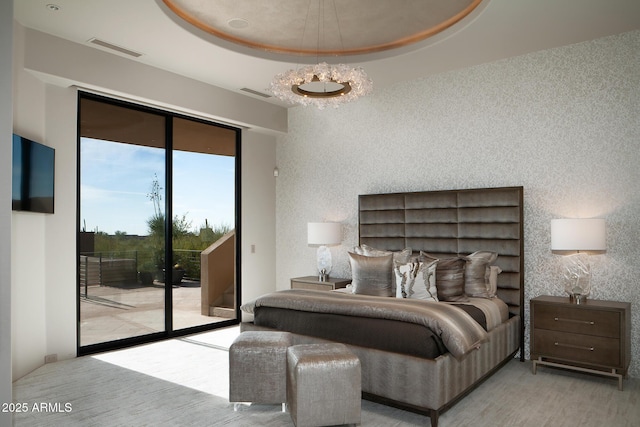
x=255, y=92
x=111, y=46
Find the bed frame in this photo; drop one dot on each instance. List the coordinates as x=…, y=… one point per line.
x=444, y=224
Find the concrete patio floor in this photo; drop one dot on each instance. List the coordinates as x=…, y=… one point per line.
x=110, y=313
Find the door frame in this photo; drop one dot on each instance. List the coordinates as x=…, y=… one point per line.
x=168, y=306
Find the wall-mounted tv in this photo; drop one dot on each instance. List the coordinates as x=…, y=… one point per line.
x=33, y=175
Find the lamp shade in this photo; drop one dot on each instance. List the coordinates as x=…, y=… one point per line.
x=324, y=233
x=584, y=234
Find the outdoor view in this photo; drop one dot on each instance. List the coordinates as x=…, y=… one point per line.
x=123, y=274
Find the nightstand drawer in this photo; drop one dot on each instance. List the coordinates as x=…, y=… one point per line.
x=578, y=348
x=577, y=320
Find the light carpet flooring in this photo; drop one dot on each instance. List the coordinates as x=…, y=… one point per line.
x=184, y=382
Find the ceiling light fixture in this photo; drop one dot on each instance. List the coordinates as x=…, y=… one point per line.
x=321, y=84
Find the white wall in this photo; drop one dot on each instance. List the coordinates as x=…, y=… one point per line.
x=6, y=107
x=258, y=215
x=28, y=238
x=45, y=109
x=563, y=123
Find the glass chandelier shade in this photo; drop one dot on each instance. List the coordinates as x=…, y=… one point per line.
x=321, y=85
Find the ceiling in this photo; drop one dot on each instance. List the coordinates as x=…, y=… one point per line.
x=493, y=30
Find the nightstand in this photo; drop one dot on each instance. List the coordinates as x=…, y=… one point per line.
x=312, y=282
x=592, y=337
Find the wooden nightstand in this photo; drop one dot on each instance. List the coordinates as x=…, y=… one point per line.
x=312, y=282
x=592, y=337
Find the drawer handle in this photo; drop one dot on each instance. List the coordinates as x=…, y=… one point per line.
x=573, y=346
x=586, y=322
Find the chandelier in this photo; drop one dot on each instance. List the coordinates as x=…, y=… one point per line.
x=321, y=85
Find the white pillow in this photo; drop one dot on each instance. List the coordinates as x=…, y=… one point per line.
x=416, y=280
x=424, y=283
x=405, y=273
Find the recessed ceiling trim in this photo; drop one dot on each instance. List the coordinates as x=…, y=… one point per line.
x=112, y=46
x=206, y=21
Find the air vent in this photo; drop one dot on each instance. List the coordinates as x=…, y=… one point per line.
x=255, y=92
x=119, y=49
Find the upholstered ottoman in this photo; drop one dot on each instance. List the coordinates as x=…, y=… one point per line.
x=323, y=385
x=258, y=367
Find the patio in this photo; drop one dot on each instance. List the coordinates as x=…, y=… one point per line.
x=110, y=313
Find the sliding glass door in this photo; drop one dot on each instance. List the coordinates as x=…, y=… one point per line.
x=204, y=232
x=141, y=276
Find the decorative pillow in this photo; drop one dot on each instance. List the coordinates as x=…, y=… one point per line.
x=423, y=285
x=371, y=275
x=475, y=272
x=492, y=280
x=402, y=257
x=404, y=274
x=449, y=277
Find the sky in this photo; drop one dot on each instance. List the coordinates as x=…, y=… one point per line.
x=116, y=180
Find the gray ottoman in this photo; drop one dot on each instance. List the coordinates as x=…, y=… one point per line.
x=323, y=385
x=258, y=368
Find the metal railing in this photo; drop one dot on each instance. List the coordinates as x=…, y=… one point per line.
x=106, y=268
x=122, y=267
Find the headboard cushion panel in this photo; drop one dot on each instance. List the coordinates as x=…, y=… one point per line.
x=390, y=216
x=453, y=223
x=430, y=216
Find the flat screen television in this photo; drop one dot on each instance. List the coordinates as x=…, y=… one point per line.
x=33, y=176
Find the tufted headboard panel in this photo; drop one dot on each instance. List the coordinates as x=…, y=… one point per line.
x=450, y=223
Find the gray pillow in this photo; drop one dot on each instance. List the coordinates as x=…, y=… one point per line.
x=449, y=278
x=492, y=280
x=475, y=273
x=371, y=275
x=404, y=256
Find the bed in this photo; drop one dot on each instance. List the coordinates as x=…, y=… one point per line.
x=440, y=225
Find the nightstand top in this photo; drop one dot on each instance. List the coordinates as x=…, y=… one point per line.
x=314, y=279
x=589, y=303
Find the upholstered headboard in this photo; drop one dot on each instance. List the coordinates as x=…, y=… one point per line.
x=450, y=223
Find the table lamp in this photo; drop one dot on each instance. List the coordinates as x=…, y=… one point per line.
x=575, y=238
x=324, y=234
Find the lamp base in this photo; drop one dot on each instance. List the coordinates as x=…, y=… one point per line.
x=323, y=263
x=577, y=299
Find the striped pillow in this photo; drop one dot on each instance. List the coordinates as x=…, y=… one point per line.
x=475, y=273
x=449, y=277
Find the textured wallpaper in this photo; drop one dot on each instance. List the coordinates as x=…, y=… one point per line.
x=563, y=123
